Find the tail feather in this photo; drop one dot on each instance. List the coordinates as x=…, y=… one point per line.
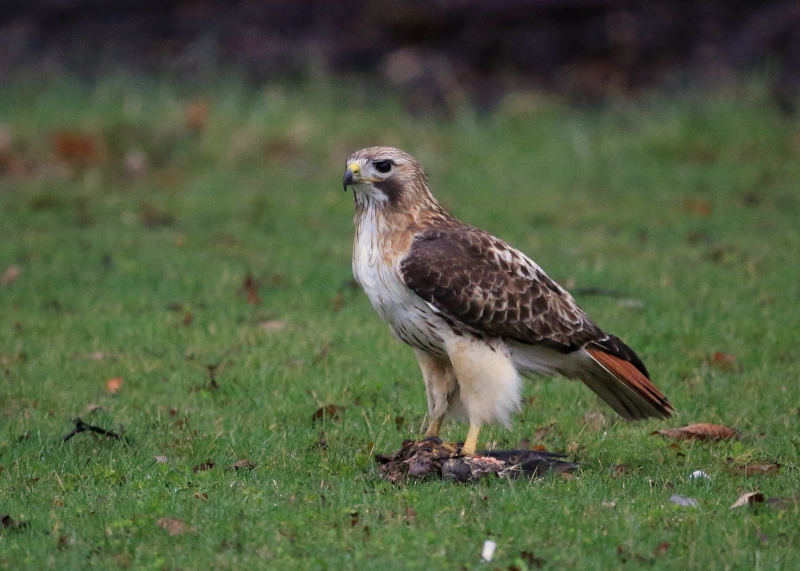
x=620, y=379
x=625, y=388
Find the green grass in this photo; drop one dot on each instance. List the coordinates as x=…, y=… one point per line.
x=689, y=205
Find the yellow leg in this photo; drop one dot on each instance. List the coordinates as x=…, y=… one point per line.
x=472, y=440
x=434, y=426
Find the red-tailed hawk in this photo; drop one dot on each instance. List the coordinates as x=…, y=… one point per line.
x=477, y=312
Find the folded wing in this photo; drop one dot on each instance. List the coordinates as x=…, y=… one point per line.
x=483, y=286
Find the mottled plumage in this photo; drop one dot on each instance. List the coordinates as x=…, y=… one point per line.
x=477, y=311
x=488, y=288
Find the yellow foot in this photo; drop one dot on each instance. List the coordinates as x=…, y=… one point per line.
x=433, y=427
x=471, y=442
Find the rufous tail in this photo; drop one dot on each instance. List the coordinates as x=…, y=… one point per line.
x=625, y=388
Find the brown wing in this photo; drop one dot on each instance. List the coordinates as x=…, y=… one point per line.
x=480, y=283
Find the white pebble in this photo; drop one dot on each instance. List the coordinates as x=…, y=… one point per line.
x=488, y=550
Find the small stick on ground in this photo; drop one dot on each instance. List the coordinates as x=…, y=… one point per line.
x=81, y=426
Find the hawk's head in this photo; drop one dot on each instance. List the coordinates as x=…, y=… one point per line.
x=385, y=176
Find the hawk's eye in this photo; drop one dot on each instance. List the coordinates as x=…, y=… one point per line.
x=383, y=166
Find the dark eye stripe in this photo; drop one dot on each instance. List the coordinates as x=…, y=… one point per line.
x=383, y=166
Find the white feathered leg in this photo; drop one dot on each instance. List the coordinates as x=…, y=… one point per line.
x=488, y=383
x=440, y=384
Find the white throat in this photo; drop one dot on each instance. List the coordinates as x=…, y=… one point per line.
x=366, y=195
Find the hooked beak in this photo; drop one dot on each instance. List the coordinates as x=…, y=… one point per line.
x=351, y=175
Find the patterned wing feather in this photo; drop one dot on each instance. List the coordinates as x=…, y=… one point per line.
x=483, y=285
x=480, y=284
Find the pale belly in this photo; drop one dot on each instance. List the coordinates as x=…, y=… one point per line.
x=409, y=317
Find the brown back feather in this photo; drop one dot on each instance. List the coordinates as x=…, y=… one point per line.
x=483, y=285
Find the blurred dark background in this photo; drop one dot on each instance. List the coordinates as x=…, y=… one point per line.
x=469, y=49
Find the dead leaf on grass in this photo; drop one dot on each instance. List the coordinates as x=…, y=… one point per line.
x=207, y=465
x=113, y=385
x=78, y=149
x=10, y=523
x=700, y=431
x=724, y=362
x=760, y=469
x=173, y=526
x=748, y=498
x=10, y=275
x=328, y=412
x=661, y=549
x=196, y=114
x=243, y=464
x=723, y=358
x=250, y=290
x=699, y=207
x=540, y=433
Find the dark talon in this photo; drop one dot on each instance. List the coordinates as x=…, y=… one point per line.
x=434, y=439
